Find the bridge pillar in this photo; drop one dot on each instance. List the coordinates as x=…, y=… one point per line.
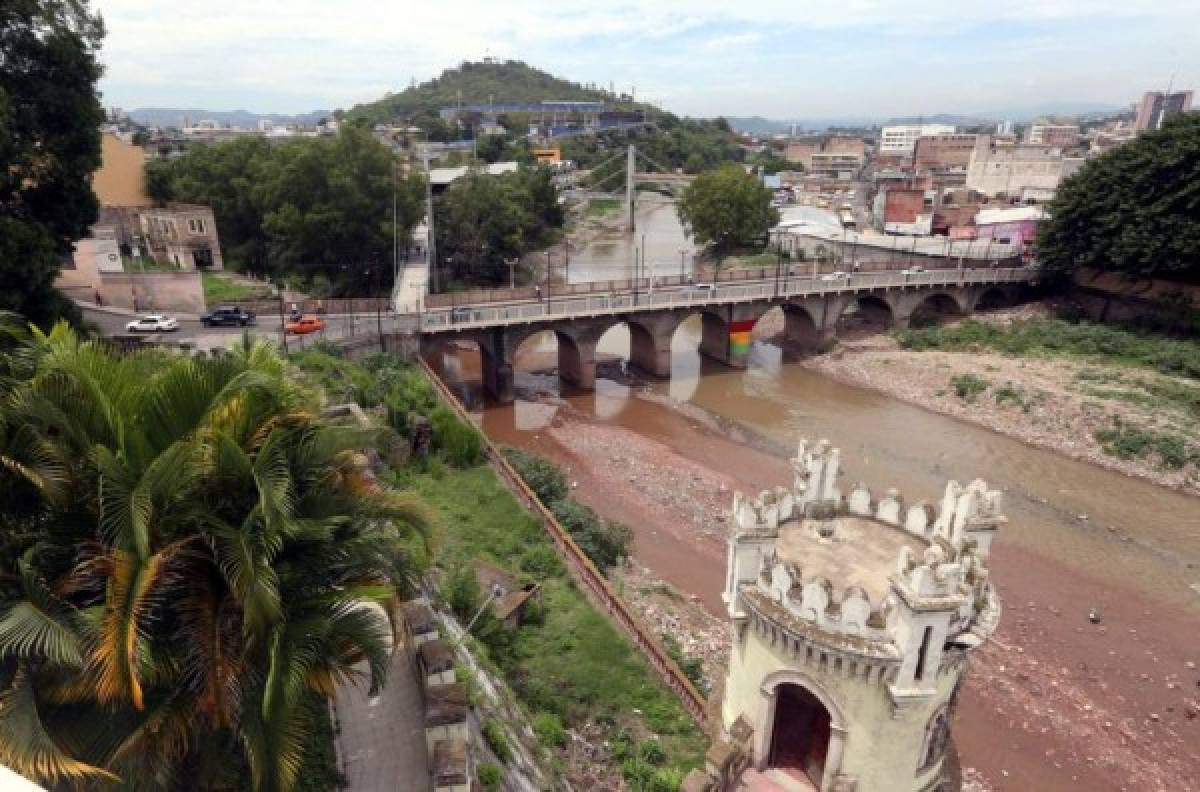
x=726, y=332
x=499, y=381
x=650, y=348
x=577, y=361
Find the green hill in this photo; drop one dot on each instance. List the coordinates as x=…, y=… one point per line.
x=476, y=83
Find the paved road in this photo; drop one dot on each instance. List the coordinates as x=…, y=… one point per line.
x=191, y=330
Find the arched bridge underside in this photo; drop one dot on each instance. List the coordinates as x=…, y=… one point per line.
x=810, y=322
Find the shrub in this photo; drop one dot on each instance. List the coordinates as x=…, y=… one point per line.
x=549, y=730
x=651, y=752
x=541, y=561
x=497, y=740
x=603, y=541
x=461, y=444
x=543, y=477
x=461, y=592
x=692, y=667
x=666, y=779
x=968, y=386
x=489, y=777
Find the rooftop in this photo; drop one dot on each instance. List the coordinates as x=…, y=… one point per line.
x=858, y=551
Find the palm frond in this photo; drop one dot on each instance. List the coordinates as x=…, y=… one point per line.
x=39, y=627
x=28, y=748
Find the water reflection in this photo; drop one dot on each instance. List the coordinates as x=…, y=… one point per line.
x=659, y=234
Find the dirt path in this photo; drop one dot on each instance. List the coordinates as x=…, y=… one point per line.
x=1055, y=702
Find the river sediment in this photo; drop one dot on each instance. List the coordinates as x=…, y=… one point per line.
x=1055, y=702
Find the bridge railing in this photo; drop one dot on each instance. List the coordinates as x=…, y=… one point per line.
x=703, y=274
x=556, y=307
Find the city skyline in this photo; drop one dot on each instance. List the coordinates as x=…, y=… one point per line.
x=697, y=58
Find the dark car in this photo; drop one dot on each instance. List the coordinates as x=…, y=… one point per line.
x=228, y=316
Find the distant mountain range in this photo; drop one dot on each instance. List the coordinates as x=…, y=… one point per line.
x=182, y=116
x=757, y=125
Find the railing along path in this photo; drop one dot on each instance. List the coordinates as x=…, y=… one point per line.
x=465, y=317
x=590, y=579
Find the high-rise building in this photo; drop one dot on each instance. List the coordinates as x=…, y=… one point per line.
x=1156, y=107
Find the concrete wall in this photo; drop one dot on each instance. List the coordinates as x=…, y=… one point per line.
x=171, y=292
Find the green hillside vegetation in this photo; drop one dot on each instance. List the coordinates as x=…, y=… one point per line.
x=474, y=83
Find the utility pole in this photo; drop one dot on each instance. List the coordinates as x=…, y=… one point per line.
x=630, y=170
x=430, y=243
x=395, y=234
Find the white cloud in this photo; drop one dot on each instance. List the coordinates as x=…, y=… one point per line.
x=709, y=56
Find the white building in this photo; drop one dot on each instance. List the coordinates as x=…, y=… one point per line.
x=902, y=139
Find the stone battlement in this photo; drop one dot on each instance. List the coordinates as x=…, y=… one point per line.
x=849, y=563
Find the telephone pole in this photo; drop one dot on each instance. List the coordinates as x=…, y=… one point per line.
x=630, y=170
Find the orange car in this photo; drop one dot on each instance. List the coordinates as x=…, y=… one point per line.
x=304, y=325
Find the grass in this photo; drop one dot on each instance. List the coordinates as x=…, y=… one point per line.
x=220, y=288
x=753, y=261
x=574, y=664
x=1168, y=451
x=145, y=264
x=601, y=207
x=1058, y=338
x=967, y=386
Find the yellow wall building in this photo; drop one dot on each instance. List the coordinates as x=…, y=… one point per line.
x=121, y=179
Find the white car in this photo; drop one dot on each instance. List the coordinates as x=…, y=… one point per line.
x=153, y=323
x=912, y=271
x=834, y=276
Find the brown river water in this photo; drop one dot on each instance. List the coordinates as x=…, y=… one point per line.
x=1056, y=702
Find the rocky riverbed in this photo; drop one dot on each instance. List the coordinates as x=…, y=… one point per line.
x=1055, y=702
x=1054, y=403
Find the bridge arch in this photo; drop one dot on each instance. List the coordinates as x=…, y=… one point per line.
x=791, y=323
x=865, y=314
x=935, y=308
x=993, y=298
x=571, y=357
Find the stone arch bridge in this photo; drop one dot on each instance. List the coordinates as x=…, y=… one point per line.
x=728, y=313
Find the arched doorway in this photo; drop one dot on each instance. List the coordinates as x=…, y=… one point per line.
x=800, y=733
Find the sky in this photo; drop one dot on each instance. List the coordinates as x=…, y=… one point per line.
x=780, y=59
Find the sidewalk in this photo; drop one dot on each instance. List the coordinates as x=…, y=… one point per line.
x=381, y=739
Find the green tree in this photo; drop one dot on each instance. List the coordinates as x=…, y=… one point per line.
x=316, y=209
x=190, y=553
x=1134, y=210
x=49, y=147
x=726, y=207
x=485, y=220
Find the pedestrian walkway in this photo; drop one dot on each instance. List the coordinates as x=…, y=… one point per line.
x=381, y=739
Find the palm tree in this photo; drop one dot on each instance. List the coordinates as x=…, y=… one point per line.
x=189, y=555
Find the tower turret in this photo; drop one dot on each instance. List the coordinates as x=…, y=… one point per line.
x=853, y=619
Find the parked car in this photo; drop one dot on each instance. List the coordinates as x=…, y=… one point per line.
x=153, y=323
x=304, y=325
x=228, y=316
x=912, y=271
x=701, y=289
x=834, y=276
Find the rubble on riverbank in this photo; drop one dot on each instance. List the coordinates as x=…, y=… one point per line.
x=1055, y=403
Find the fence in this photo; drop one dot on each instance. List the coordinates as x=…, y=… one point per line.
x=589, y=579
x=608, y=303
x=704, y=273
x=324, y=306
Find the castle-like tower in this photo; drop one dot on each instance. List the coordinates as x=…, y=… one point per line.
x=853, y=617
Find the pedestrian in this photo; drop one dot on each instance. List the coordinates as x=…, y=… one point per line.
x=99, y=299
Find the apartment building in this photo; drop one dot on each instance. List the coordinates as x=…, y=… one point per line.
x=1156, y=107
x=902, y=138
x=1063, y=135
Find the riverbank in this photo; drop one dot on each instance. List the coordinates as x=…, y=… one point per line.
x=1102, y=412
x=1055, y=702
